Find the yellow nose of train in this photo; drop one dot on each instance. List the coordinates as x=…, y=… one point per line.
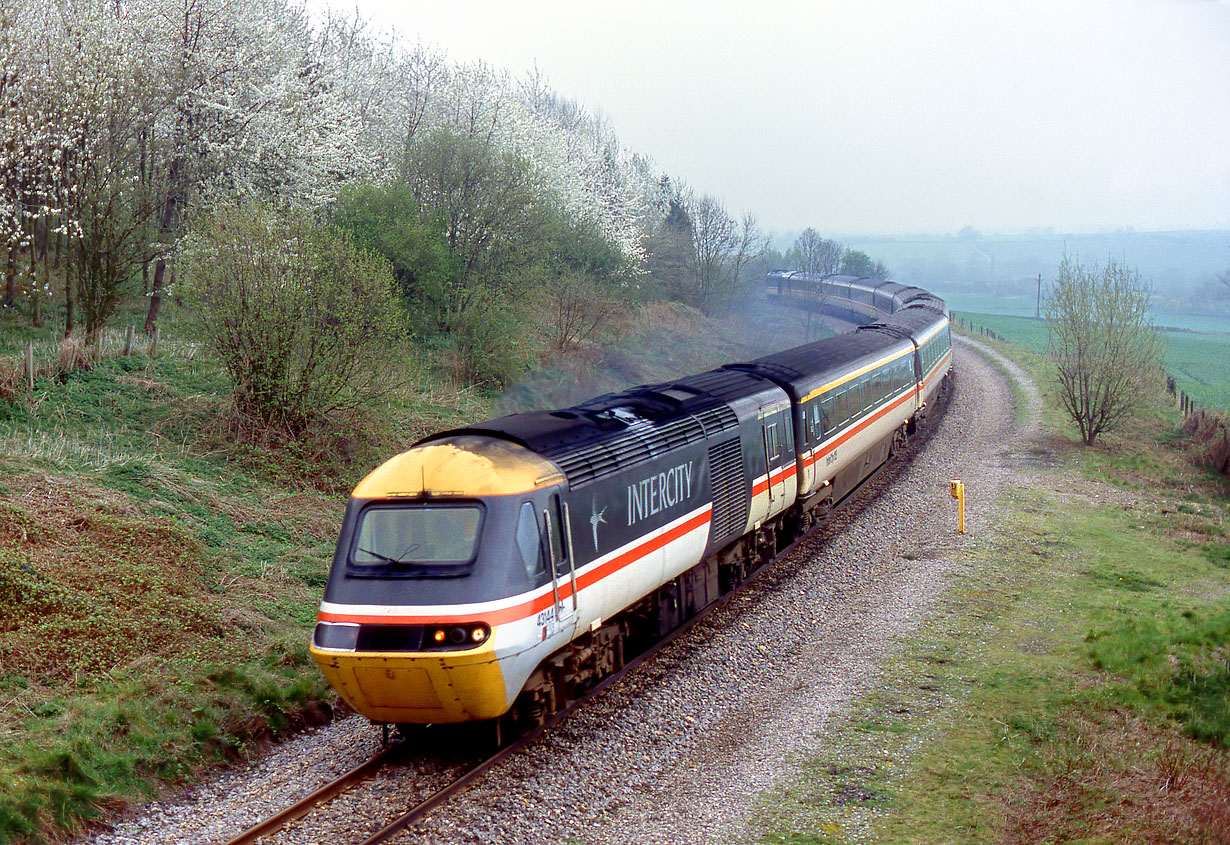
x=415, y=627
x=419, y=688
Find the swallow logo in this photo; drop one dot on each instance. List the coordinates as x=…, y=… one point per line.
x=596, y=517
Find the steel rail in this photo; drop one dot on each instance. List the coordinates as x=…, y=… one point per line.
x=326, y=793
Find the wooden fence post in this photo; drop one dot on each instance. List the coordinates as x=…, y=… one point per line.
x=153, y=344
x=129, y=338
x=28, y=365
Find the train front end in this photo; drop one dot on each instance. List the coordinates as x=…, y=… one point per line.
x=430, y=611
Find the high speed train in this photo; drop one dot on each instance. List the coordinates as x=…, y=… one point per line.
x=496, y=570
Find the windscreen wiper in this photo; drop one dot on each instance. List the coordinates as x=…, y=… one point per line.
x=382, y=558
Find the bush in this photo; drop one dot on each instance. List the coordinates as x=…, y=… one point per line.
x=306, y=323
x=492, y=343
x=1107, y=355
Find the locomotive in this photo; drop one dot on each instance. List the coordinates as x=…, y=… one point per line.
x=492, y=572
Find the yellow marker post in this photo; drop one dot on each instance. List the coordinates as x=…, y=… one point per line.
x=958, y=492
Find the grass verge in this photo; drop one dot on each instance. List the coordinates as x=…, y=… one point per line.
x=1072, y=685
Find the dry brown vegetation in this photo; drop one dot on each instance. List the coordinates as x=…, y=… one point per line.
x=1211, y=434
x=1121, y=778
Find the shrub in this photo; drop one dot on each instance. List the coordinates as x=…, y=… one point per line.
x=305, y=322
x=1107, y=355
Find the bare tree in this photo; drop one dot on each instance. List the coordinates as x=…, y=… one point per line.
x=828, y=256
x=1107, y=355
x=578, y=307
x=721, y=247
x=814, y=254
x=807, y=247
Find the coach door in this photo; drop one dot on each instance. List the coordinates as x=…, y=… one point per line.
x=555, y=518
x=773, y=440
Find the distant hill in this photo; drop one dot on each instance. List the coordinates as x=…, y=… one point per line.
x=1176, y=263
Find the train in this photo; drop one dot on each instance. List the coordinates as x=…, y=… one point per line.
x=494, y=572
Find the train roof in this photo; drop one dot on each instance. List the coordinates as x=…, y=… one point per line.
x=801, y=369
x=919, y=322
x=611, y=432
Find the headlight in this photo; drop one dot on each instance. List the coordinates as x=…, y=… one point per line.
x=338, y=636
x=465, y=635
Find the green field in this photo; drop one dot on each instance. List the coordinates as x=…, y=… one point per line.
x=1199, y=361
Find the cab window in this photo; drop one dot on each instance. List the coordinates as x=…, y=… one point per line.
x=529, y=541
x=419, y=538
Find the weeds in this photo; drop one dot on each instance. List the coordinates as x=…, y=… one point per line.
x=89, y=753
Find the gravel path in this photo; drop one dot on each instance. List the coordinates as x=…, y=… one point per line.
x=681, y=750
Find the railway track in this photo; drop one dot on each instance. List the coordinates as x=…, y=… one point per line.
x=318, y=800
x=468, y=774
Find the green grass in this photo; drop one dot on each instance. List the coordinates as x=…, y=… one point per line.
x=1199, y=362
x=81, y=753
x=158, y=582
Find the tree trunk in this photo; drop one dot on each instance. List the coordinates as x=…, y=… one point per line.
x=10, y=278
x=38, y=258
x=160, y=267
x=155, y=296
x=69, y=299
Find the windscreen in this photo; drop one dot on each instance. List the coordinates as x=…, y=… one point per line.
x=417, y=536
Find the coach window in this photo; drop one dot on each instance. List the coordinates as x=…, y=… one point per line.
x=770, y=436
x=843, y=408
x=829, y=413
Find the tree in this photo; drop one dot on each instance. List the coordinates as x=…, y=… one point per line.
x=816, y=255
x=1106, y=353
x=720, y=249
x=304, y=321
x=855, y=262
x=387, y=220
x=488, y=205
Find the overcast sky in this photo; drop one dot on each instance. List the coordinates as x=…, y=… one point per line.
x=889, y=117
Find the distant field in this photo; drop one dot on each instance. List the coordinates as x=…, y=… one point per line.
x=1025, y=306
x=982, y=303
x=1199, y=361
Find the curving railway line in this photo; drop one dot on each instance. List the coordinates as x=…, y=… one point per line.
x=459, y=775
